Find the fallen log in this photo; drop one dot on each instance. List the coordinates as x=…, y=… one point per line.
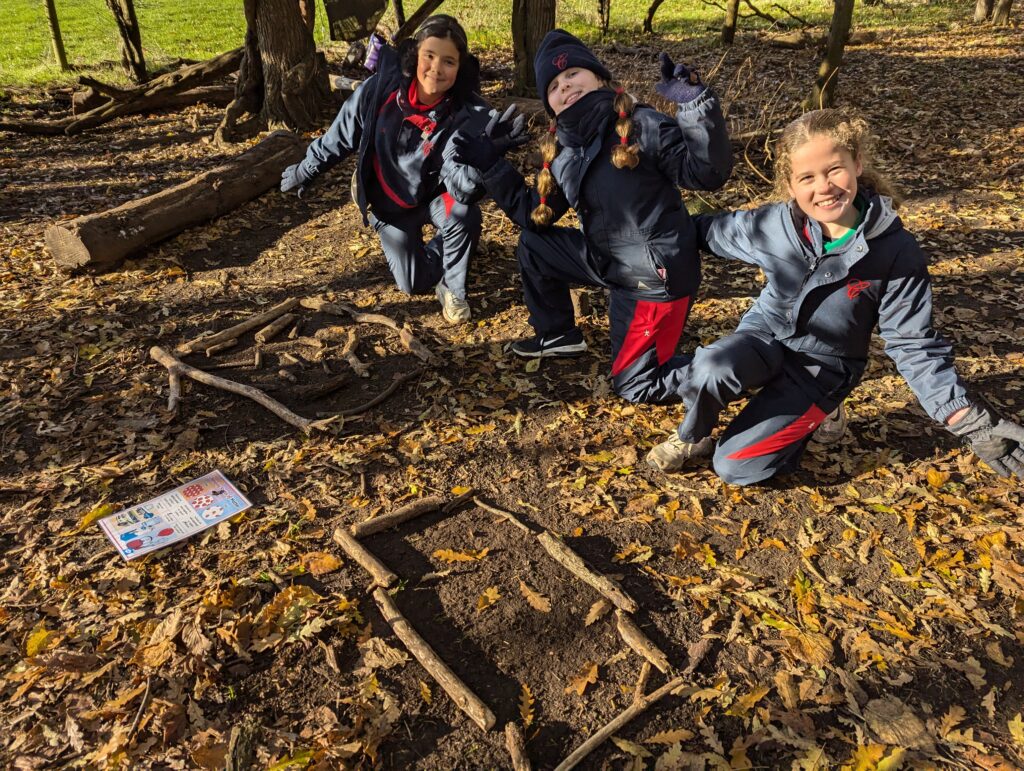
x=103, y=240
x=453, y=685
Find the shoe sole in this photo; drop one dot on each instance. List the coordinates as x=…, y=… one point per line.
x=562, y=352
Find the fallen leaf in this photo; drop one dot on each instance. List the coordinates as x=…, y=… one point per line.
x=490, y=596
x=537, y=600
x=896, y=724
x=671, y=737
x=425, y=692
x=598, y=609
x=471, y=555
x=320, y=563
x=101, y=511
x=526, y=706
x=587, y=676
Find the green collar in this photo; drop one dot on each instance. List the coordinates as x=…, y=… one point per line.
x=831, y=246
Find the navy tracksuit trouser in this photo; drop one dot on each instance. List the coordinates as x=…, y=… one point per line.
x=418, y=267
x=770, y=434
x=645, y=326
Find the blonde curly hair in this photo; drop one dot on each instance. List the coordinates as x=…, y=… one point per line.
x=848, y=131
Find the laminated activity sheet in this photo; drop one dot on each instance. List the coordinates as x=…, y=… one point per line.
x=180, y=513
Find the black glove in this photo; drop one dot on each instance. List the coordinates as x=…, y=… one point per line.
x=506, y=131
x=1000, y=445
x=479, y=152
x=293, y=178
x=678, y=84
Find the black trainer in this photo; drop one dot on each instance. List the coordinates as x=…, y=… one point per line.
x=564, y=344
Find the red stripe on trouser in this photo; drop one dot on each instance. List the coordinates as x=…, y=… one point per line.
x=783, y=438
x=658, y=324
x=449, y=202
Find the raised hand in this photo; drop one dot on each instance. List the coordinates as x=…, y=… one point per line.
x=1000, y=445
x=678, y=83
x=480, y=152
x=507, y=130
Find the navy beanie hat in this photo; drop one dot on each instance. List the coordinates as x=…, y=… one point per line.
x=560, y=51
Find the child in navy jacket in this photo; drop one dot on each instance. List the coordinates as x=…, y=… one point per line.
x=837, y=262
x=401, y=122
x=619, y=165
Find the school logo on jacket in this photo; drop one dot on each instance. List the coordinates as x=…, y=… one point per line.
x=560, y=61
x=855, y=286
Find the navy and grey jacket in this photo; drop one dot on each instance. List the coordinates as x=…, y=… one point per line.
x=416, y=165
x=633, y=218
x=827, y=305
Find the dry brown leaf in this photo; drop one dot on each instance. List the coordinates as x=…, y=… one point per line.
x=537, y=600
x=428, y=697
x=811, y=647
x=320, y=563
x=671, y=737
x=526, y=705
x=490, y=596
x=953, y=717
x=896, y=724
x=597, y=610
x=470, y=555
x=587, y=676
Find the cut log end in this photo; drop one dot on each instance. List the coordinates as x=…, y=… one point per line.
x=68, y=250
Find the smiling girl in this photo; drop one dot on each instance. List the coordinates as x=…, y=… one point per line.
x=620, y=166
x=838, y=262
x=401, y=122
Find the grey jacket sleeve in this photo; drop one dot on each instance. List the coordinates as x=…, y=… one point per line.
x=726, y=235
x=510, y=192
x=923, y=357
x=694, y=150
x=342, y=138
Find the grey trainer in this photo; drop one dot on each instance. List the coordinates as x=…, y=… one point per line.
x=454, y=309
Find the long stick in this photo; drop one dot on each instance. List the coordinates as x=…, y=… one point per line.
x=365, y=558
x=177, y=369
x=635, y=638
x=260, y=319
x=395, y=385
x=574, y=563
x=506, y=515
x=634, y=709
x=386, y=521
x=463, y=697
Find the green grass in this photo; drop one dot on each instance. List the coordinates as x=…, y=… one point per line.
x=198, y=29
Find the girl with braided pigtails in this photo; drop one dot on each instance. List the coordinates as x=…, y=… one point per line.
x=620, y=165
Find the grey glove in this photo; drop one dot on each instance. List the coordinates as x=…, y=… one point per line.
x=507, y=130
x=293, y=178
x=1000, y=445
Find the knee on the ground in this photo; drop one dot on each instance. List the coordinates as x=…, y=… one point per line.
x=740, y=472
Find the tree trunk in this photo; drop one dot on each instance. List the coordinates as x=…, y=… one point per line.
x=399, y=12
x=131, y=39
x=531, y=21
x=982, y=10
x=604, y=12
x=732, y=14
x=1001, y=15
x=101, y=241
x=307, y=10
x=649, y=21
x=55, y=36
x=823, y=94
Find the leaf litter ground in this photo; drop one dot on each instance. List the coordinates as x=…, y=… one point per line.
x=863, y=612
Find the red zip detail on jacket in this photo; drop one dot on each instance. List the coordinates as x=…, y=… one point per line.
x=658, y=324
x=783, y=438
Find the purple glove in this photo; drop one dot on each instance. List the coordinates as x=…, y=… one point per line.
x=678, y=83
x=373, y=46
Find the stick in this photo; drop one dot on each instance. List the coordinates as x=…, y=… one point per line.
x=395, y=385
x=516, y=747
x=348, y=353
x=404, y=514
x=177, y=369
x=572, y=562
x=624, y=717
x=405, y=335
x=273, y=329
x=639, y=642
x=238, y=329
x=641, y=682
x=365, y=559
x=503, y=514
x=221, y=346
x=320, y=390
x=460, y=693
x=138, y=715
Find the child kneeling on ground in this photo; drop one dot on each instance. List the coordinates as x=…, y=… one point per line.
x=838, y=261
x=619, y=164
x=401, y=123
